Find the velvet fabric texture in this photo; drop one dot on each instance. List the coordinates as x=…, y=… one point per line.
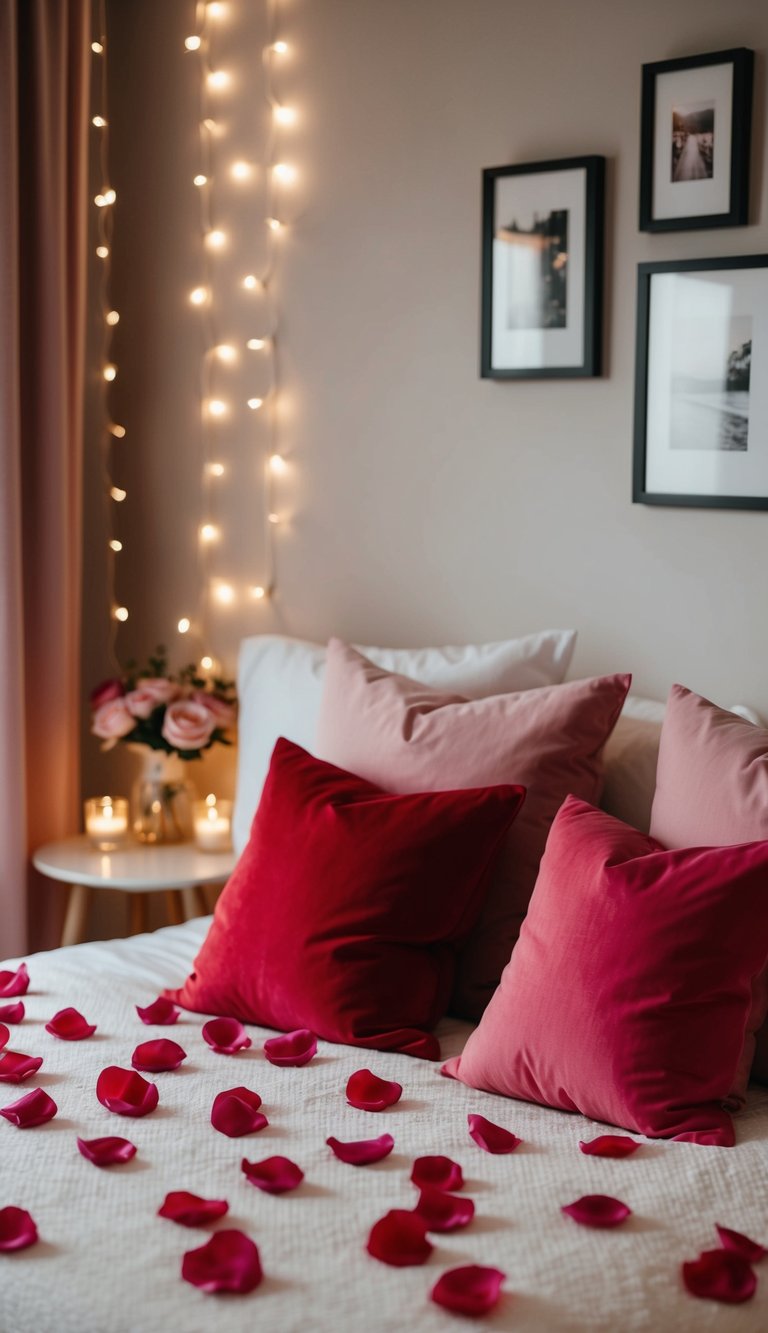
x=346, y=907
x=627, y=995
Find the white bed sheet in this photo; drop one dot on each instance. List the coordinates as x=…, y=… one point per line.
x=106, y=1263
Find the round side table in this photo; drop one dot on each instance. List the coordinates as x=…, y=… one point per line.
x=180, y=870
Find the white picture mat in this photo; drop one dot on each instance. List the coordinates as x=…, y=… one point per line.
x=683, y=199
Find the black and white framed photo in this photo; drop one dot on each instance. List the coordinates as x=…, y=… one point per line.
x=542, y=269
x=695, y=128
x=701, y=387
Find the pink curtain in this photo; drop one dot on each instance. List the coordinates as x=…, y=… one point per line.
x=44, y=88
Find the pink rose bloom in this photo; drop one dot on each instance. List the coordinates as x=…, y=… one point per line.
x=108, y=689
x=111, y=721
x=187, y=725
x=222, y=711
x=149, y=694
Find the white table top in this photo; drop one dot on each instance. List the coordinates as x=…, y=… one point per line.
x=137, y=868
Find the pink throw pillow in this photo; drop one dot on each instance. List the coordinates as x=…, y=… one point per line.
x=627, y=994
x=408, y=737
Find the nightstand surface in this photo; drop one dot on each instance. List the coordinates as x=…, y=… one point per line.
x=136, y=868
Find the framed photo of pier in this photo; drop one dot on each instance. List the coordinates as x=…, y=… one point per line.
x=701, y=407
x=695, y=131
x=542, y=265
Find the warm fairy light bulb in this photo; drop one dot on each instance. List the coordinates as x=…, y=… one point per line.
x=256, y=344
x=210, y=799
x=192, y=43
x=115, y=545
x=218, y=78
x=118, y=494
x=224, y=593
x=284, y=115
x=97, y=48
x=215, y=239
x=109, y=372
x=251, y=282
x=278, y=464
x=112, y=317
x=209, y=532
x=198, y=295
x=215, y=469
x=117, y=431
x=98, y=121
x=225, y=352
x=240, y=171
x=199, y=180
x=102, y=251
x=284, y=172
x=216, y=407
x=215, y=9
x=206, y=663
x=183, y=625
x=105, y=199
x=274, y=224
x=257, y=593
x=120, y=613
x=255, y=403
x=210, y=125
x=279, y=48
x=274, y=518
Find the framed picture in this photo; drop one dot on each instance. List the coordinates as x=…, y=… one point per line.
x=694, y=161
x=701, y=415
x=542, y=269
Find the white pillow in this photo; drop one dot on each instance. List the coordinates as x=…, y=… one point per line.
x=629, y=759
x=280, y=684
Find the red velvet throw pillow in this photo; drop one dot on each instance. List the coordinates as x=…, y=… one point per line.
x=344, y=912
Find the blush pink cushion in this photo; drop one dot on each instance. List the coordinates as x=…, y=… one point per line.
x=407, y=737
x=712, y=787
x=627, y=994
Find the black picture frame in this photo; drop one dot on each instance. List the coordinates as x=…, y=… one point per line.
x=696, y=120
x=542, y=269
x=701, y=416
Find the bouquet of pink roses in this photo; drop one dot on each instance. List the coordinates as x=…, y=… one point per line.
x=181, y=714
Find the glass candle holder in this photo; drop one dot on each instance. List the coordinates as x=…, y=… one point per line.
x=106, y=822
x=213, y=824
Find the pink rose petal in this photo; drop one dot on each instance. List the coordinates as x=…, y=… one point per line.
x=609, y=1145
x=444, y=1212
x=4, y=1035
x=14, y=983
x=226, y=1035
x=471, y=1290
x=438, y=1173
x=229, y=1261
x=740, y=1244
x=17, y=1229
x=362, y=1152
x=109, y=1151
x=597, y=1210
x=295, y=1048
x=236, y=1112
x=491, y=1138
x=369, y=1093
x=720, y=1275
x=273, y=1175
x=189, y=1210
x=126, y=1093
x=12, y=1013
x=157, y=1057
x=35, y=1108
x=400, y=1238
x=69, y=1025
x=15, y=1067
x=161, y=1013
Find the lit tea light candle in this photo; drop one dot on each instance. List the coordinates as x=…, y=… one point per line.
x=106, y=822
x=213, y=824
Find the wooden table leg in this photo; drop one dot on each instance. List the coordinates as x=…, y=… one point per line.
x=138, y=913
x=194, y=902
x=174, y=907
x=77, y=911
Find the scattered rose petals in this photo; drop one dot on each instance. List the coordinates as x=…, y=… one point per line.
x=157, y=1057
x=109, y=1151
x=720, y=1275
x=597, y=1210
x=17, y=1229
x=12, y=1013
x=274, y=1175
x=125, y=1092
x=189, y=1210
x=362, y=1152
x=491, y=1138
x=295, y=1048
x=236, y=1112
x=226, y=1035
x=471, y=1290
x=69, y=1025
x=438, y=1173
x=369, y=1093
x=4, y=1035
x=740, y=1244
x=444, y=1212
x=35, y=1108
x=400, y=1238
x=609, y=1145
x=15, y=1067
x=162, y=1012
x=14, y=983
x=229, y=1261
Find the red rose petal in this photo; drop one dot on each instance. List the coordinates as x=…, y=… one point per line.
x=109, y=1151
x=226, y=1035
x=720, y=1275
x=15, y=1067
x=491, y=1138
x=444, y=1212
x=740, y=1244
x=597, y=1210
x=162, y=1012
x=229, y=1261
x=400, y=1238
x=236, y=1112
x=126, y=1093
x=471, y=1290
x=609, y=1145
x=14, y=983
x=369, y=1093
x=362, y=1152
x=189, y=1210
x=438, y=1173
x=273, y=1175
x=4, y=1035
x=295, y=1048
x=157, y=1057
x=35, y=1108
x=69, y=1025
x=12, y=1013
x=17, y=1229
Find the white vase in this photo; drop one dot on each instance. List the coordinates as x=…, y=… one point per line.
x=162, y=799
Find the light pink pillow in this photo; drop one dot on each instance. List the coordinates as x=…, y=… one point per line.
x=407, y=737
x=712, y=788
x=627, y=994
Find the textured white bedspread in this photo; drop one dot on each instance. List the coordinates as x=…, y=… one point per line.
x=106, y=1263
